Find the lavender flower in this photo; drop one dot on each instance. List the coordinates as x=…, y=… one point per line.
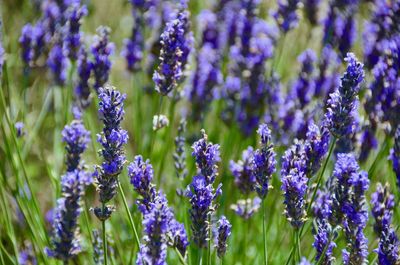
x=76, y=138
x=133, y=47
x=179, y=155
x=73, y=35
x=204, y=81
x=19, y=127
x=322, y=206
x=207, y=156
x=201, y=196
x=346, y=166
x=209, y=29
x=141, y=174
x=323, y=239
x=82, y=89
x=316, y=147
x=303, y=88
x=304, y=261
x=65, y=239
x=27, y=256
x=112, y=139
x=51, y=18
x=294, y=184
x=101, y=50
x=264, y=162
x=395, y=155
x=175, y=48
x=328, y=78
x=224, y=231
x=382, y=203
x=26, y=43
x=388, y=249
x=243, y=171
x=179, y=238
x=156, y=222
x=159, y=122
x=368, y=143
x=343, y=102
x=286, y=16
x=58, y=63
x=356, y=216
x=246, y=208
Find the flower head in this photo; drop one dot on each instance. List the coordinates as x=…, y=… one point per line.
x=223, y=232
x=76, y=138
x=286, y=16
x=58, y=63
x=243, y=171
x=82, y=89
x=73, y=35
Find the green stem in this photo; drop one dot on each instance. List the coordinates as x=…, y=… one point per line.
x=264, y=234
x=181, y=258
x=131, y=222
x=103, y=224
x=209, y=240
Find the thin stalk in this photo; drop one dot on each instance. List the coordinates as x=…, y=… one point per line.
x=181, y=258
x=209, y=240
x=264, y=234
x=131, y=222
x=298, y=245
x=103, y=224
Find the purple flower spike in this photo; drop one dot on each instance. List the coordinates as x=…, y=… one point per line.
x=26, y=43
x=19, y=127
x=101, y=50
x=65, y=239
x=316, y=147
x=73, y=36
x=224, y=231
x=176, y=44
x=246, y=208
x=243, y=171
x=58, y=63
x=311, y=8
x=286, y=16
x=264, y=162
x=141, y=174
x=112, y=139
x=201, y=196
x=76, y=138
x=342, y=105
x=382, y=203
x=82, y=90
x=323, y=239
x=207, y=156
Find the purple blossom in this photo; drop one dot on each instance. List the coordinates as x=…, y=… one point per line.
x=141, y=175
x=26, y=43
x=286, y=16
x=58, y=64
x=264, y=162
x=246, y=208
x=356, y=216
x=207, y=155
x=204, y=81
x=65, y=238
x=323, y=239
x=388, y=248
x=19, y=127
x=342, y=104
x=223, y=232
x=322, y=206
x=316, y=147
x=82, y=89
x=201, y=196
x=178, y=237
x=27, y=256
x=243, y=171
x=73, y=35
x=76, y=138
x=311, y=8
x=101, y=50
x=346, y=166
x=51, y=18
x=294, y=184
x=175, y=47
x=209, y=29
x=156, y=221
x=328, y=78
x=368, y=143
x=382, y=203
x=112, y=139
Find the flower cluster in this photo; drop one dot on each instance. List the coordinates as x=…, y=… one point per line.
x=243, y=171
x=141, y=174
x=176, y=44
x=264, y=162
x=58, y=64
x=246, y=208
x=286, y=16
x=315, y=147
x=82, y=89
x=73, y=35
x=65, y=239
x=76, y=138
x=101, y=51
x=342, y=104
x=223, y=232
x=112, y=139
